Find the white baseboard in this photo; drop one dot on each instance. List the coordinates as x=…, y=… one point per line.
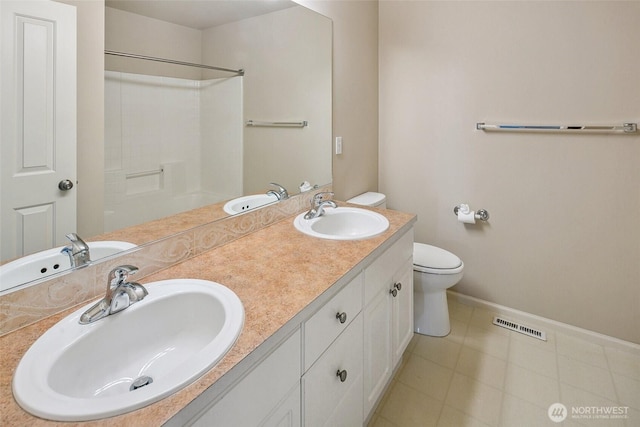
x=564, y=328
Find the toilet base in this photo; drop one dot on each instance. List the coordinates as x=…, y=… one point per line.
x=431, y=314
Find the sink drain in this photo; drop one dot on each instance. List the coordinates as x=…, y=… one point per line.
x=140, y=382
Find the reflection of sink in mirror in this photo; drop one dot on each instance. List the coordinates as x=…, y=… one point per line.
x=131, y=359
x=246, y=203
x=51, y=261
x=343, y=223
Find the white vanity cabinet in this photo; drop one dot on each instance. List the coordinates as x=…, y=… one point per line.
x=388, y=316
x=334, y=368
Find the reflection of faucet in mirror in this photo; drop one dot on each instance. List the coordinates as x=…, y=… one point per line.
x=120, y=294
x=318, y=203
x=281, y=194
x=78, y=251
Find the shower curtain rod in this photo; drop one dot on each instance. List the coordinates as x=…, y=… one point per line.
x=171, y=61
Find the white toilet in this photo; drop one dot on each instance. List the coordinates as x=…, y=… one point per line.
x=371, y=199
x=434, y=271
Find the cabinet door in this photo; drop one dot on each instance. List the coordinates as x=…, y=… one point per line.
x=402, y=311
x=377, y=347
x=264, y=392
x=287, y=414
x=328, y=399
x=388, y=320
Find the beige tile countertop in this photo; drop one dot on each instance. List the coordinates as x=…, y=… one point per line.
x=277, y=272
x=166, y=226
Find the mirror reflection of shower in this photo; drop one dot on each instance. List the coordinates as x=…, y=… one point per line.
x=170, y=145
x=175, y=135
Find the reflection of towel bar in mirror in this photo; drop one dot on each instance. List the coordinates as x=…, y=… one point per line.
x=144, y=173
x=624, y=128
x=256, y=123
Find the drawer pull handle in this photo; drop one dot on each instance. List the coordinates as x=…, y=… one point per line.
x=393, y=292
x=342, y=317
x=398, y=286
x=342, y=374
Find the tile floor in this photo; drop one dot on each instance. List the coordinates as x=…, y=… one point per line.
x=484, y=375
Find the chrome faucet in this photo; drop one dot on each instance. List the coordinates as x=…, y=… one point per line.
x=281, y=194
x=318, y=203
x=120, y=294
x=78, y=251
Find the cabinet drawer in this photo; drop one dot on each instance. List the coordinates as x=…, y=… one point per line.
x=379, y=274
x=326, y=324
x=328, y=400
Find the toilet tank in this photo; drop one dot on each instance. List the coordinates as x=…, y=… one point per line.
x=371, y=199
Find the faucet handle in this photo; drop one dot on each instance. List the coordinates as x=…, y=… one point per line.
x=76, y=242
x=319, y=197
x=77, y=251
x=282, y=191
x=119, y=275
x=72, y=237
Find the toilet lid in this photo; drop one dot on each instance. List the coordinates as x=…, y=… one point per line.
x=369, y=198
x=433, y=257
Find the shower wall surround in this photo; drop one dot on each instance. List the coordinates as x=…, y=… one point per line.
x=170, y=144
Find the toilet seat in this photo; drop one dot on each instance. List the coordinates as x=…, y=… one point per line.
x=434, y=260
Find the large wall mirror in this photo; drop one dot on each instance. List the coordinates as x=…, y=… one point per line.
x=182, y=140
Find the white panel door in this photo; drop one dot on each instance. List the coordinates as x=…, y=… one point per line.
x=37, y=125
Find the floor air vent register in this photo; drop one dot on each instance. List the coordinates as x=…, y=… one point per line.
x=523, y=329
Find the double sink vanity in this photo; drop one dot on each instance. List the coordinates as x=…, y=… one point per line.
x=319, y=322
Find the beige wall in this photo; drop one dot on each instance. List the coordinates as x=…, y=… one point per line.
x=132, y=33
x=355, y=92
x=283, y=81
x=90, y=27
x=564, y=237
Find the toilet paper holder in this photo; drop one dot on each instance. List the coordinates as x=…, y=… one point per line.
x=481, y=214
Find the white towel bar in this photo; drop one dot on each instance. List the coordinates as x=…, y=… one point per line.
x=300, y=124
x=624, y=128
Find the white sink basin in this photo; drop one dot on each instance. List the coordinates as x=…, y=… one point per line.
x=343, y=223
x=246, y=203
x=178, y=332
x=51, y=261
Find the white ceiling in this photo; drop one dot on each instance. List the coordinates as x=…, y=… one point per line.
x=200, y=14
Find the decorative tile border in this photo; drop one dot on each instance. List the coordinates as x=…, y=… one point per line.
x=26, y=306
